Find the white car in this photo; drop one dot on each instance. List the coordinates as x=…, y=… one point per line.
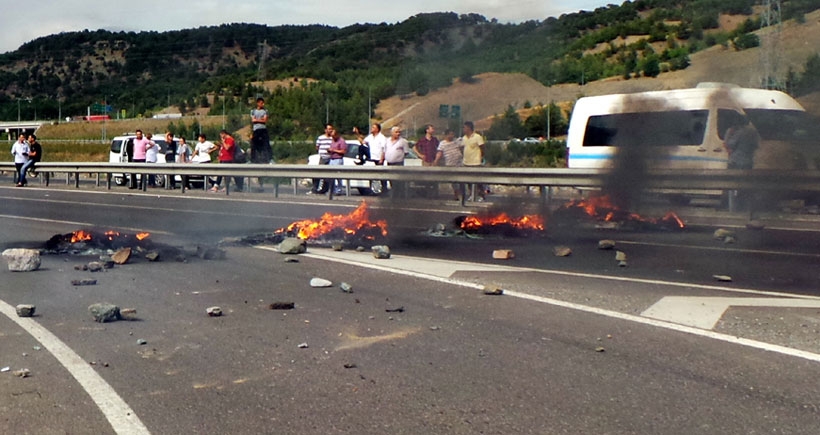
x=365, y=187
x=117, y=154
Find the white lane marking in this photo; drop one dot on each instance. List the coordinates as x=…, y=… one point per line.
x=122, y=418
x=73, y=223
x=436, y=265
x=722, y=249
x=705, y=312
x=445, y=268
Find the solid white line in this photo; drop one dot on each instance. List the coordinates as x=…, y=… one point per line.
x=588, y=309
x=122, y=418
x=79, y=224
x=715, y=248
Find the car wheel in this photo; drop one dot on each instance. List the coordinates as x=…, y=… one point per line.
x=159, y=180
x=119, y=181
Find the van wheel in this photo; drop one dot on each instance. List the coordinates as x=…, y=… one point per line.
x=375, y=187
x=119, y=181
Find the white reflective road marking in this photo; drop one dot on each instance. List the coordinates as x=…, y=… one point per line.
x=705, y=312
x=436, y=269
x=122, y=418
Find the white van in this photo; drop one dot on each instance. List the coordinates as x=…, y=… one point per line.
x=685, y=128
x=118, y=154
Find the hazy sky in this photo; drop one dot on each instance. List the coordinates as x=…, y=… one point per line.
x=23, y=22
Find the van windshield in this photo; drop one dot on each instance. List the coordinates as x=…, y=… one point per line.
x=116, y=146
x=671, y=128
x=784, y=125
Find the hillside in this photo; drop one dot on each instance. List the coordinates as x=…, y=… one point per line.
x=492, y=93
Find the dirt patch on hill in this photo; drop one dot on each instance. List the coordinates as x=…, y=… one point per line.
x=492, y=93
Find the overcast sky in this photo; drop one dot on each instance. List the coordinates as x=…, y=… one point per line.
x=24, y=21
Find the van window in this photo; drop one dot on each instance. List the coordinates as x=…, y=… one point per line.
x=784, y=125
x=116, y=146
x=728, y=118
x=671, y=128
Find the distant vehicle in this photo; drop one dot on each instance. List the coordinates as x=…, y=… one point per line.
x=96, y=117
x=686, y=128
x=365, y=187
x=529, y=140
x=117, y=154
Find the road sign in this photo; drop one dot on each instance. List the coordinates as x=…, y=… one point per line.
x=443, y=111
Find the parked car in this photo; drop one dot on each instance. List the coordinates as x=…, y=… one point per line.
x=365, y=187
x=117, y=154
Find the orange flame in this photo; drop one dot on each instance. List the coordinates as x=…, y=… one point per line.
x=80, y=236
x=142, y=236
x=528, y=222
x=351, y=224
x=602, y=208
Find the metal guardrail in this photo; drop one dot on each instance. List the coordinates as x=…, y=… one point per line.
x=724, y=179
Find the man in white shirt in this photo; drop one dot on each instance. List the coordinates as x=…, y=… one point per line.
x=375, y=142
x=395, y=148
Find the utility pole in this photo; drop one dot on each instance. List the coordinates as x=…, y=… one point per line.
x=771, y=24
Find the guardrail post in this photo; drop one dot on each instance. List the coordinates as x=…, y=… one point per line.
x=97, y=183
x=77, y=180
x=295, y=187
x=108, y=180
x=276, y=189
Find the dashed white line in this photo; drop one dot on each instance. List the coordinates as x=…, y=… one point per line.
x=436, y=266
x=122, y=418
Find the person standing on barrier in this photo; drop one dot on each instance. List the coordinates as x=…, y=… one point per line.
x=140, y=144
x=20, y=152
x=35, y=154
x=261, y=151
x=474, y=155
x=449, y=151
x=322, y=145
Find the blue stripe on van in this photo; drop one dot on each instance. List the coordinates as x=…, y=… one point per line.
x=677, y=158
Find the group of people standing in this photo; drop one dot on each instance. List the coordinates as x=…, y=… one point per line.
x=467, y=150
x=27, y=152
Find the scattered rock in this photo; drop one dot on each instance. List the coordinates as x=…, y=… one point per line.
x=337, y=247
x=623, y=264
x=22, y=260
x=23, y=373
x=142, y=342
x=291, y=260
x=360, y=248
x=562, y=251
x=600, y=349
x=121, y=256
x=435, y=328
x=293, y=245
x=320, y=282
x=152, y=256
x=282, y=306
x=729, y=240
x=25, y=310
x=755, y=225
x=493, y=290
x=84, y=281
x=210, y=253
x=620, y=256
x=349, y=366
x=128, y=313
x=81, y=267
x=394, y=310
x=104, y=312
x=503, y=254
x=214, y=311
x=722, y=233
x=347, y=288
x=302, y=346
x=606, y=244
x=722, y=278
x=94, y=266
x=381, y=252
x=5, y=369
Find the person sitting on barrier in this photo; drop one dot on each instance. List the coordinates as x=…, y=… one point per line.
x=35, y=154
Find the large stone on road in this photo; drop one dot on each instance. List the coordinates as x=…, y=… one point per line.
x=22, y=260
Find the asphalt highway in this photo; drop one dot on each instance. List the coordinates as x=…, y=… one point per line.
x=576, y=344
